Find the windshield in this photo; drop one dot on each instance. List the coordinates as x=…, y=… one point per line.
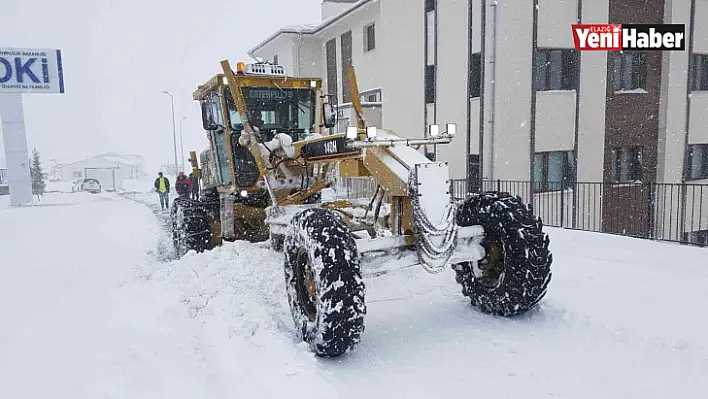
x=285, y=110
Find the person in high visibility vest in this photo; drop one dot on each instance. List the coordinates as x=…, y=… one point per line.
x=162, y=186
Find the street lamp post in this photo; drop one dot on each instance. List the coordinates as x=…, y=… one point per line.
x=174, y=128
x=181, y=142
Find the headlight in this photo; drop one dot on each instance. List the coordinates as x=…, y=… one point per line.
x=351, y=132
x=451, y=129
x=244, y=193
x=434, y=130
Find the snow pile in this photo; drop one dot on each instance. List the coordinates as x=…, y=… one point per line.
x=234, y=301
x=91, y=310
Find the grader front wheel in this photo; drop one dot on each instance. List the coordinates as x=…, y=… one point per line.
x=513, y=276
x=190, y=226
x=324, y=284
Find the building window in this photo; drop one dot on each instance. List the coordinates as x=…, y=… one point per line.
x=556, y=69
x=346, y=63
x=430, y=5
x=371, y=96
x=369, y=37
x=630, y=71
x=699, y=72
x=475, y=75
x=430, y=38
x=626, y=164
x=553, y=170
x=698, y=161
x=430, y=84
x=77, y=174
x=331, y=55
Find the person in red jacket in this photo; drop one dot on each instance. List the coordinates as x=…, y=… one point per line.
x=183, y=185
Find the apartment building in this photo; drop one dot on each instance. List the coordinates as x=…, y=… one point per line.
x=587, y=131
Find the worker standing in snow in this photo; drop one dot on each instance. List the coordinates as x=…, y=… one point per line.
x=162, y=186
x=183, y=185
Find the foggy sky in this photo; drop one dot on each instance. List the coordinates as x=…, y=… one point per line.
x=119, y=55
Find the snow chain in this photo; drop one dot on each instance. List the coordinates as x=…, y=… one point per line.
x=432, y=257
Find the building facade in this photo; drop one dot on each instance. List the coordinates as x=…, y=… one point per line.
x=591, y=133
x=109, y=168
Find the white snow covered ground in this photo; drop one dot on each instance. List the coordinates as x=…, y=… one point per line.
x=93, y=307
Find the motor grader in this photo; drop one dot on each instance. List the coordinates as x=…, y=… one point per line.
x=272, y=152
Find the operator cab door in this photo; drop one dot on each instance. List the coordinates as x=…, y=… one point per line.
x=213, y=120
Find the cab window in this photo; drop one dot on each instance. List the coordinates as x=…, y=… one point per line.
x=218, y=140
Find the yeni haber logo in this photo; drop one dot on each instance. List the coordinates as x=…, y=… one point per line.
x=623, y=37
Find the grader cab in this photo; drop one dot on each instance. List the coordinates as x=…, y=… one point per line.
x=268, y=160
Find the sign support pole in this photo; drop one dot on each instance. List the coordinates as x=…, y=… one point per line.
x=16, y=155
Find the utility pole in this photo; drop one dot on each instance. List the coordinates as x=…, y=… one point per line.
x=174, y=130
x=181, y=143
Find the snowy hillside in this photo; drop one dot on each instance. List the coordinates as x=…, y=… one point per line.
x=94, y=306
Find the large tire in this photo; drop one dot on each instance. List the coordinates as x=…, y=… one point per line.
x=324, y=284
x=514, y=275
x=190, y=226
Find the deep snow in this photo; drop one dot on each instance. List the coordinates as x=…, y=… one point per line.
x=93, y=307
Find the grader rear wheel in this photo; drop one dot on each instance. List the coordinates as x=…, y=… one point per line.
x=324, y=284
x=513, y=276
x=190, y=226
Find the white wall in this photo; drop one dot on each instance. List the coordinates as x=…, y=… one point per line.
x=67, y=172
x=554, y=20
x=593, y=83
x=452, y=81
x=700, y=44
x=402, y=70
x=555, y=120
x=513, y=90
x=672, y=103
x=284, y=47
x=367, y=65
x=311, y=58
x=698, y=128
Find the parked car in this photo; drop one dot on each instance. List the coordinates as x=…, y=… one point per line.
x=90, y=185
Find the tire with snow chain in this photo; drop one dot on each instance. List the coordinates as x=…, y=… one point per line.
x=190, y=226
x=514, y=275
x=324, y=284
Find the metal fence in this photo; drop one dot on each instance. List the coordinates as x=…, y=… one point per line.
x=659, y=211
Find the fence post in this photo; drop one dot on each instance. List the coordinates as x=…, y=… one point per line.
x=562, y=225
x=651, y=211
x=498, y=185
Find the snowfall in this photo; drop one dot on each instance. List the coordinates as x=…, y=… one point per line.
x=95, y=305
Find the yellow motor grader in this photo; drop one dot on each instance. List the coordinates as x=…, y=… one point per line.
x=270, y=157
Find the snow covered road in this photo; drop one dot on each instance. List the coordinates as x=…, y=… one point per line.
x=91, y=309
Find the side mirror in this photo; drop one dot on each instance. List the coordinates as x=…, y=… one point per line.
x=330, y=115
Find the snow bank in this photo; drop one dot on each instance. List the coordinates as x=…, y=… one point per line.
x=60, y=267
x=232, y=300
x=91, y=309
x=615, y=315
